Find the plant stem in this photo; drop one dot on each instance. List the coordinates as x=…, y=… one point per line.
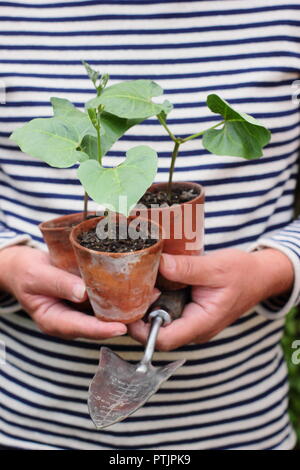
x=85, y=205
x=99, y=143
x=194, y=136
x=171, y=171
x=177, y=142
x=164, y=124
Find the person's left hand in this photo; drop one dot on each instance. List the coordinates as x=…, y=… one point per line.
x=226, y=284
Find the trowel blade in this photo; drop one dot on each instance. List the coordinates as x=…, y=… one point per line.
x=119, y=389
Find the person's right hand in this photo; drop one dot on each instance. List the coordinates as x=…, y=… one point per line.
x=39, y=287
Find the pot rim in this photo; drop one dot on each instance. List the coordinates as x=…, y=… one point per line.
x=73, y=240
x=201, y=196
x=43, y=225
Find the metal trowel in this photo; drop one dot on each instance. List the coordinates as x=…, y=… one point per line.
x=119, y=388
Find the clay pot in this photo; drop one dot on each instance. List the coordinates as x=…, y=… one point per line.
x=119, y=285
x=56, y=233
x=183, y=226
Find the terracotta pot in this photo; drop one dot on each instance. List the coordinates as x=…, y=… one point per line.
x=56, y=233
x=119, y=285
x=183, y=226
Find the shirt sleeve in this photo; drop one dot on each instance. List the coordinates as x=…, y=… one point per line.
x=287, y=241
x=8, y=237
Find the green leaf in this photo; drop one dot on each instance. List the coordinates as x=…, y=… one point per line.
x=69, y=137
x=72, y=117
x=103, y=82
x=131, y=179
x=131, y=100
x=92, y=113
x=89, y=146
x=240, y=136
x=56, y=140
x=63, y=107
x=50, y=140
x=93, y=74
x=166, y=107
x=112, y=128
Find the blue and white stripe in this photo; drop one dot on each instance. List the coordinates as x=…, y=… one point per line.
x=232, y=393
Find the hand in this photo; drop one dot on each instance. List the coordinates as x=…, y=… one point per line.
x=39, y=287
x=226, y=284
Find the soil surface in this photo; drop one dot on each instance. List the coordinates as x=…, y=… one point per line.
x=179, y=195
x=91, y=241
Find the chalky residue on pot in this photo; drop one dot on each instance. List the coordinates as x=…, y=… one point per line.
x=125, y=277
x=119, y=285
x=119, y=265
x=106, y=310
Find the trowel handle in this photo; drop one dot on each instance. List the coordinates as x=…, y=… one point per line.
x=161, y=313
x=165, y=309
x=158, y=318
x=172, y=302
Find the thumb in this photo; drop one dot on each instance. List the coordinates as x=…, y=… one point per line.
x=192, y=270
x=54, y=282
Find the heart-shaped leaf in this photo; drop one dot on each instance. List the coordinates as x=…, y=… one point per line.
x=131, y=100
x=120, y=188
x=56, y=140
x=50, y=140
x=240, y=136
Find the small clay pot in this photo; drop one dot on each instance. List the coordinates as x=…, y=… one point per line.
x=183, y=226
x=119, y=285
x=56, y=233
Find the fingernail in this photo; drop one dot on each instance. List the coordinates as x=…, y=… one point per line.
x=78, y=291
x=168, y=262
x=120, y=331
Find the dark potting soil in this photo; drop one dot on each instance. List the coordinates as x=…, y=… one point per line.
x=179, y=195
x=91, y=241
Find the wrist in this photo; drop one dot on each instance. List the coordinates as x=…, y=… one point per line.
x=275, y=272
x=8, y=262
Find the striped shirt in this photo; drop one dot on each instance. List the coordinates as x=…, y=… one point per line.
x=232, y=391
